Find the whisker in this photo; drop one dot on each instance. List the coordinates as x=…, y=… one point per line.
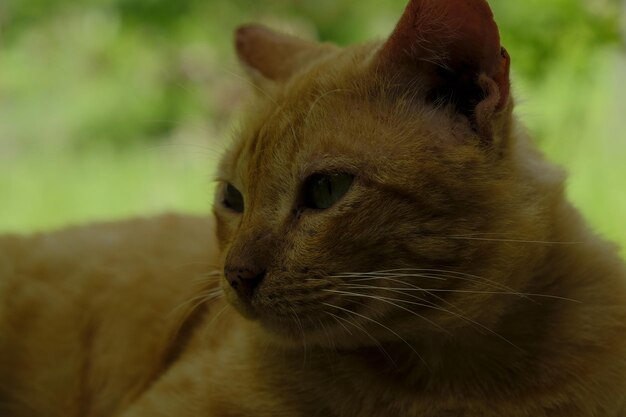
x=219, y=313
x=382, y=273
x=543, y=242
x=200, y=301
x=357, y=286
x=208, y=277
x=382, y=278
x=555, y=297
x=475, y=323
x=394, y=290
x=440, y=274
x=399, y=290
x=402, y=291
x=501, y=287
x=368, y=334
x=331, y=345
x=454, y=314
x=391, y=301
x=210, y=266
x=383, y=326
x=446, y=273
x=303, y=334
x=205, y=296
x=339, y=322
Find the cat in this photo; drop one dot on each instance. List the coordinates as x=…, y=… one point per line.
x=386, y=241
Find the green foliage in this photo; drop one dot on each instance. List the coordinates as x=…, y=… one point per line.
x=41, y=191
x=542, y=34
x=131, y=70
x=94, y=92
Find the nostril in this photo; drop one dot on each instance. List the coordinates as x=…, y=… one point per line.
x=254, y=281
x=244, y=280
x=258, y=278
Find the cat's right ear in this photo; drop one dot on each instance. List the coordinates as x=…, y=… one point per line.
x=271, y=56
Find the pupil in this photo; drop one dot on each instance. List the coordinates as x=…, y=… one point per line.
x=233, y=198
x=329, y=186
x=321, y=191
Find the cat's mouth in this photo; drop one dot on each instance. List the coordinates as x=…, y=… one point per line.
x=297, y=327
x=289, y=306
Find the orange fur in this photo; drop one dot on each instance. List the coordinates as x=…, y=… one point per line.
x=452, y=279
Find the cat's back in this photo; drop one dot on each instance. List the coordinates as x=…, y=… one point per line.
x=97, y=307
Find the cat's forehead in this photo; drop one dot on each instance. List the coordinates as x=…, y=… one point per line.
x=286, y=139
x=332, y=116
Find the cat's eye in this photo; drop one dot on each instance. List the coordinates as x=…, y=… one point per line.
x=321, y=191
x=233, y=198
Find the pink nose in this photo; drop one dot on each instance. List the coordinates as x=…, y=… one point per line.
x=244, y=279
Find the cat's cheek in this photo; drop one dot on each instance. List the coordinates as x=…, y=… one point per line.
x=225, y=227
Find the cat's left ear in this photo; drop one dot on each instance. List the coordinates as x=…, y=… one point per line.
x=451, y=48
x=273, y=56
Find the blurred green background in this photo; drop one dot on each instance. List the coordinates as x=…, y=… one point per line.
x=114, y=108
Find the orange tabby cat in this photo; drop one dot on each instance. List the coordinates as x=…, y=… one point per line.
x=390, y=240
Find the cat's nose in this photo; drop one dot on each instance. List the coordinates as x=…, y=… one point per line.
x=244, y=279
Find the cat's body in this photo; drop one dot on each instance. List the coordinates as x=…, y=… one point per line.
x=108, y=337
x=437, y=271
x=80, y=336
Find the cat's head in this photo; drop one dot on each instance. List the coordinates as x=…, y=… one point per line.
x=374, y=192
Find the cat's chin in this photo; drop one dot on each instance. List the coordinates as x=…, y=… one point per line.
x=244, y=309
x=282, y=328
x=285, y=328
x=296, y=333
x=316, y=334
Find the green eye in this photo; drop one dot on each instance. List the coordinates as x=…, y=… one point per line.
x=233, y=198
x=321, y=191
